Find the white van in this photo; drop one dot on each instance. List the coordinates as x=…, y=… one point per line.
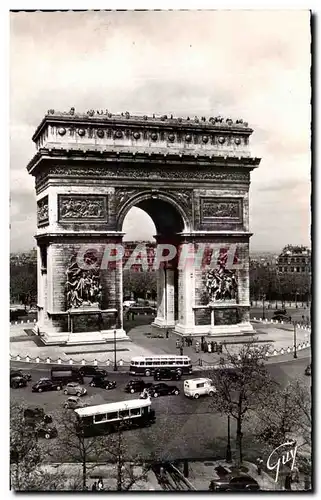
x=196, y=387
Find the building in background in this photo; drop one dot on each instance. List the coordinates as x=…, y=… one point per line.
x=294, y=259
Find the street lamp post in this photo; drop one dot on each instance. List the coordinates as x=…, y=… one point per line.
x=228, y=448
x=115, y=352
x=294, y=341
x=263, y=312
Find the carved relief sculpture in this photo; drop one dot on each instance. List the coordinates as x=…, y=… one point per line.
x=82, y=286
x=221, y=283
x=82, y=207
x=221, y=209
x=42, y=211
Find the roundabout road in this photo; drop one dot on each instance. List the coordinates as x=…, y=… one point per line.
x=184, y=428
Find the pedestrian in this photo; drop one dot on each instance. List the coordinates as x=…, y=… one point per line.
x=197, y=346
x=167, y=334
x=181, y=350
x=94, y=487
x=259, y=463
x=205, y=346
x=287, y=482
x=133, y=316
x=212, y=346
x=100, y=484
x=209, y=347
x=177, y=344
x=190, y=341
x=295, y=475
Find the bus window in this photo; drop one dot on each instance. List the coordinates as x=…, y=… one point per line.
x=142, y=363
x=163, y=362
x=148, y=363
x=100, y=418
x=136, y=363
x=171, y=362
x=134, y=412
x=112, y=416
x=186, y=363
x=124, y=414
x=157, y=363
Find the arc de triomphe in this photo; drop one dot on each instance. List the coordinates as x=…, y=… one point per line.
x=192, y=176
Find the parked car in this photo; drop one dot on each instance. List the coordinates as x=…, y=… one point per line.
x=73, y=403
x=237, y=483
x=196, y=387
x=160, y=390
x=103, y=383
x=281, y=317
x=47, y=431
x=280, y=311
x=18, y=381
x=45, y=384
x=167, y=374
x=65, y=374
x=76, y=389
x=307, y=371
x=92, y=371
x=137, y=385
x=20, y=373
x=36, y=415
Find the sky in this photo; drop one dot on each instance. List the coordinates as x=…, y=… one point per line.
x=253, y=65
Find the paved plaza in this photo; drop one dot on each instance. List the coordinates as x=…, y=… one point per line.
x=145, y=340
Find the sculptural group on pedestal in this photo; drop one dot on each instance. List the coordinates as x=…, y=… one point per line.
x=221, y=283
x=82, y=286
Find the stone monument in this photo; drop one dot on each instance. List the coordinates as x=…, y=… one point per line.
x=192, y=177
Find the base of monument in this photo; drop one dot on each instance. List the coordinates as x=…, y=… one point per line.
x=163, y=323
x=215, y=330
x=81, y=338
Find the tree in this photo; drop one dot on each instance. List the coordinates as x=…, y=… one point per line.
x=139, y=283
x=243, y=385
x=126, y=465
x=25, y=454
x=287, y=416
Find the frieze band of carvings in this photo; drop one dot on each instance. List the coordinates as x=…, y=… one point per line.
x=82, y=287
x=221, y=208
x=152, y=173
x=43, y=211
x=82, y=207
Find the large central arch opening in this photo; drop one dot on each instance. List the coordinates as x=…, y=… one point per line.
x=154, y=220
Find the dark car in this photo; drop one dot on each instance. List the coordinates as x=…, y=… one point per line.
x=20, y=373
x=237, y=483
x=103, y=383
x=307, y=371
x=167, y=374
x=160, y=390
x=37, y=420
x=18, y=381
x=47, y=431
x=281, y=317
x=92, y=371
x=137, y=386
x=45, y=384
x=34, y=416
x=280, y=311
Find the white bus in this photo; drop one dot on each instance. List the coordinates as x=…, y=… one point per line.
x=141, y=365
x=107, y=417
